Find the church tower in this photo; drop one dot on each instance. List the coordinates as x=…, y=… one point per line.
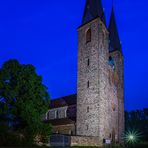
x=115, y=52
x=100, y=76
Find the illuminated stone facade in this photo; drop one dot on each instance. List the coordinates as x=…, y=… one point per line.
x=104, y=95
x=98, y=108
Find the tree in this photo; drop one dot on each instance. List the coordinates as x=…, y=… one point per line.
x=137, y=120
x=25, y=97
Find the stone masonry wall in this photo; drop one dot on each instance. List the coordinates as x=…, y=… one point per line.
x=88, y=121
x=98, y=106
x=84, y=141
x=68, y=129
x=117, y=55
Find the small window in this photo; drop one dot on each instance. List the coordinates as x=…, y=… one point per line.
x=111, y=62
x=88, y=36
x=65, y=114
x=114, y=107
x=88, y=109
x=86, y=127
x=88, y=84
x=88, y=62
x=57, y=114
x=71, y=132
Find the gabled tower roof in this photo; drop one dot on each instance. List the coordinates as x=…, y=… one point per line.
x=93, y=9
x=113, y=33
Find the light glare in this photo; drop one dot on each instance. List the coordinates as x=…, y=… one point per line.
x=132, y=136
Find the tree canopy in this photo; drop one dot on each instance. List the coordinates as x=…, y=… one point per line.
x=137, y=120
x=25, y=99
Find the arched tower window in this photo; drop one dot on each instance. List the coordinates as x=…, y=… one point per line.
x=88, y=36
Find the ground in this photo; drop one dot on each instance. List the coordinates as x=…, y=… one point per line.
x=143, y=145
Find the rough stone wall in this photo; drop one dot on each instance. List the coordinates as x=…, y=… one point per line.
x=84, y=141
x=119, y=64
x=88, y=122
x=96, y=121
x=64, y=129
x=104, y=96
x=108, y=82
x=104, y=114
x=113, y=103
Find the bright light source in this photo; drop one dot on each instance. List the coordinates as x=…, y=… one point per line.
x=132, y=136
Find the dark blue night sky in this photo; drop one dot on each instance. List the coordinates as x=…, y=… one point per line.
x=44, y=33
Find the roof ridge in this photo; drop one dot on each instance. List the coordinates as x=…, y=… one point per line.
x=63, y=97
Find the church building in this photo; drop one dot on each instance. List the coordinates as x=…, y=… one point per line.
x=97, y=110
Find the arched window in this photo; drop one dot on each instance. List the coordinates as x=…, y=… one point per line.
x=88, y=36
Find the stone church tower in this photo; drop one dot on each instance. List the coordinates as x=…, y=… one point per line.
x=100, y=95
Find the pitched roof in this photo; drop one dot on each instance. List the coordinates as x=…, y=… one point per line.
x=93, y=9
x=63, y=121
x=113, y=33
x=63, y=101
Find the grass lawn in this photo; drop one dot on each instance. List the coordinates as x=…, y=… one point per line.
x=132, y=146
x=144, y=145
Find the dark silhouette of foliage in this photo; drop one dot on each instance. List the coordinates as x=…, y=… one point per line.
x=137, y=120
x=25, y=100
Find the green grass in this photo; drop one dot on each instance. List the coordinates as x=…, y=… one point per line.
x=143, y=145
x=132, y=146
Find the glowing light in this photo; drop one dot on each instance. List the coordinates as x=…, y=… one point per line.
x=132, y=136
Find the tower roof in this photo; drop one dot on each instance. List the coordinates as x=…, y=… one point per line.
x=113, y=33
x=93, y=9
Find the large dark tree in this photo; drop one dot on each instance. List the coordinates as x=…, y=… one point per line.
x=25, y=98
